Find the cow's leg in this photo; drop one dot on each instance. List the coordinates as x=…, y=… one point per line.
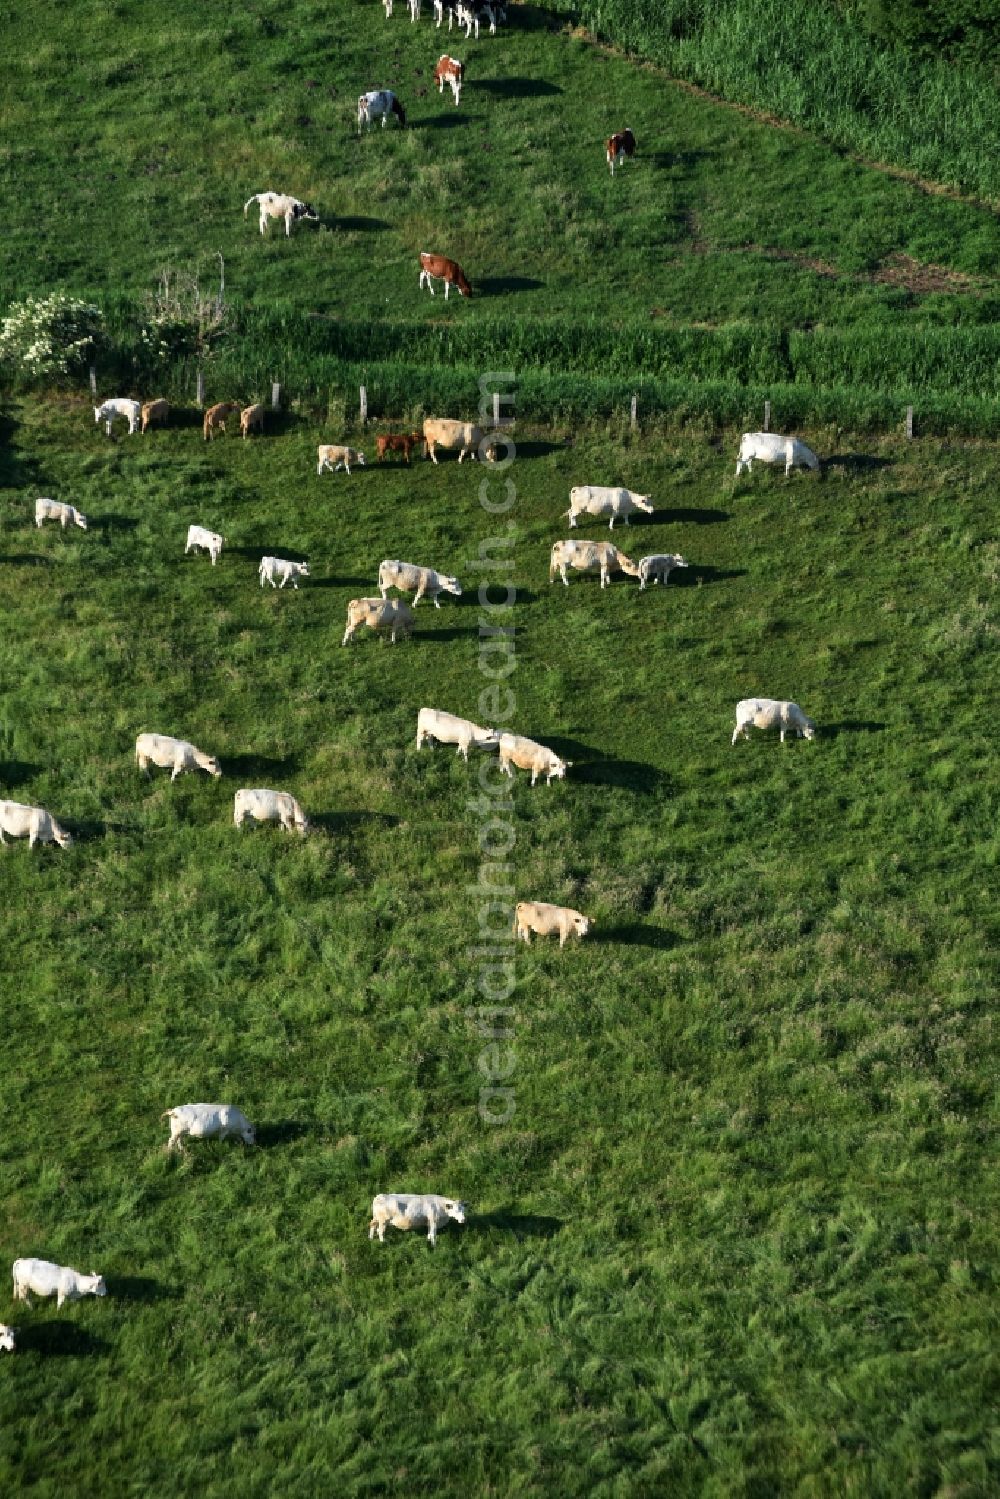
x=178, y=767
x=430, y=452
x=418, y=595
x=437, y=601
x=562, y=571
x=432, y=1233
x=347, y=635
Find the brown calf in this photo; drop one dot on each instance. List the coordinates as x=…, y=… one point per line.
x=251, y=420
x=397, y=442
x=450, y=71
x=154, y=411
x=215, y=417
x=618, y=146
x=440, y=268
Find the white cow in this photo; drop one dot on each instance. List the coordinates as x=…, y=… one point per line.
x=442, y=432
x=379, y=104
x=174, y=755
x=448, y=728
x=538, y=916
x=768, y=447
x=589, y=557
x=527, y=754
x=380, y=615
x=33, y=823
x=7, y=1338
x=43, y=1278
x=657, y=567
x=270, y=806
x=772, y=713
x=207, y=1121
x=408, y=577
x=200, y=540
x=408, y=1210
x=66, y=515
x=119, y=406
x=280, y=206
x=333, y=456
x=603, y=499
x=279, y=567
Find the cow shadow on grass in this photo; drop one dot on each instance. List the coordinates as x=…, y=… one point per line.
x=685, y=517
x=855, y=463
x=141, y=1288
x=112, y=523
x=14, y=773
x=592, y=767
x=26, y=559
x=59, y=1340
x=15, y=470
x=696, y=574
x=682, y=159
x=287, y=554
x=500, y=286
x=443, y=635
x=539, y=449
x=248, y=766
x=190, y=416
x=359, y=225
x=281, y=1132
x=521, y=1225
x=342, y=823
x=443, y=121
x=851, y=726
x=344, y=583
x=515, y=88
x=634, y=934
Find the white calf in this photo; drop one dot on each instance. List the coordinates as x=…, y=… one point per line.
x=207, y=1121
x=279, y=567
x=43, y=1278
x=174, y=755
x=658, y=567
x=406, y=1210
x=200, y=540
x=270, y=806
x=57, y=510
x=772, y=713
x=331, y=456
x=119, y=406
x=528, y=754
x=33, y=823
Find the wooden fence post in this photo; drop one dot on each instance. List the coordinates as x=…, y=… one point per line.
x=496, y=408
x=767, y=416
x=364, y=404
x=93, y=381
x=909, y=421
x=200, y=388
x=635, y=412
x=275, y=396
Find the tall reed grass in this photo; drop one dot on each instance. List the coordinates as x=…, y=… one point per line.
x=813, y=66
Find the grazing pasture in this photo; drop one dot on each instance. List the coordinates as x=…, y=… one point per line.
x=739, y=1234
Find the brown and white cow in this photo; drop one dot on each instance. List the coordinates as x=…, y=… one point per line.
x=450, y=71
x=618, y=146
x=440, y=268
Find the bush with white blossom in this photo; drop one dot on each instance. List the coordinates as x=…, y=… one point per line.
x=53, y=335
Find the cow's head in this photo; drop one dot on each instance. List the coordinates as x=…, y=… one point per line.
x=808, y=728
x=451, y=585
x=305, y=211
x=61, y=836
x=302, y=568
x=454, y=1210
x=558, y=768
x=643, y=502
x=93, y=1284
x=248, y=1134
x=582, y=924
x=212, y=766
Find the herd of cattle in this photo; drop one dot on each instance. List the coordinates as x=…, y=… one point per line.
x=393, y=617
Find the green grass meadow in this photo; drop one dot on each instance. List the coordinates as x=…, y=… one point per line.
x=738, y=1237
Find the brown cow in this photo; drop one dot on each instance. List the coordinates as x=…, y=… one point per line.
x=440, y=268
x=397, y=442
x=618, y=146
x=215, y=417
x=154, y=411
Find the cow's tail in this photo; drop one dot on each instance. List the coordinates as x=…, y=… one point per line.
x=254, y=199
